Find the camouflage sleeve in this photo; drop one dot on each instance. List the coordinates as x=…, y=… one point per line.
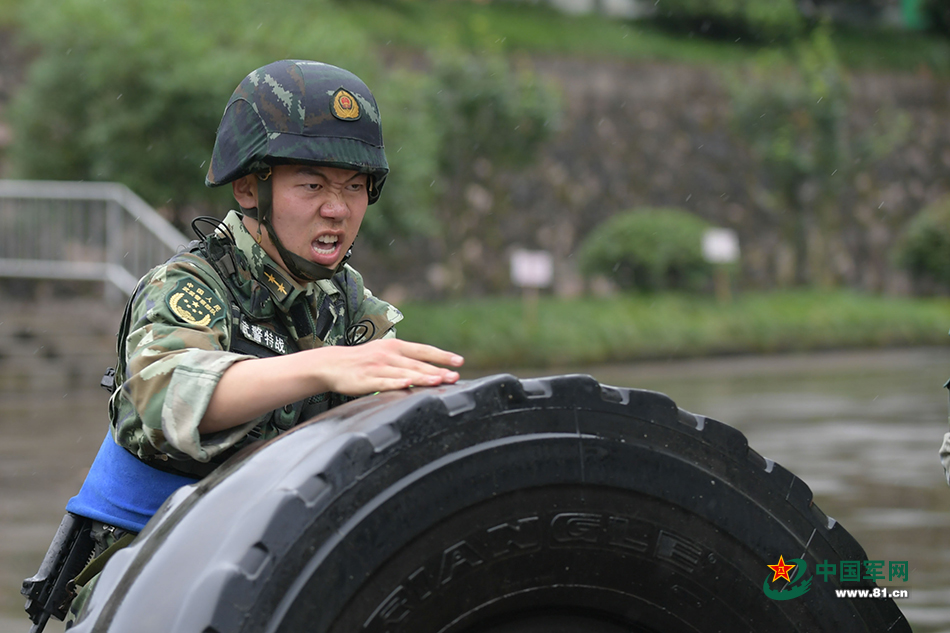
x=175, y=355
x=381, y=315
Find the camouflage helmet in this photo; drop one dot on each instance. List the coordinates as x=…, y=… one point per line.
x=299, y=111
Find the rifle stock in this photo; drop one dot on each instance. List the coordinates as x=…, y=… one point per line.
x=49, y=591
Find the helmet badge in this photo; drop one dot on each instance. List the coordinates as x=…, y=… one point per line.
x=343, y=105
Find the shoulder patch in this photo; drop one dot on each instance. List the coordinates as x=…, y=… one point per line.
x=194, y=303
x=275, y=281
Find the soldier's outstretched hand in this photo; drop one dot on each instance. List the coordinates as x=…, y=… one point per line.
x=387, y=364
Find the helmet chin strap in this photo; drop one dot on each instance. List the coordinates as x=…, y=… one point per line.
x=296, y=265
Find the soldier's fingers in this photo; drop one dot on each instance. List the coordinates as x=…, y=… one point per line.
x=431, y=354
x=418, y=372
x=409, y=379
x=423, y=368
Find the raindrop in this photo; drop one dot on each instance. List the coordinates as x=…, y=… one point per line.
x=819, y=99
x=688, y=197
x=119, y=97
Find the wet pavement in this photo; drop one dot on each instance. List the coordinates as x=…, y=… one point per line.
x=862, y=429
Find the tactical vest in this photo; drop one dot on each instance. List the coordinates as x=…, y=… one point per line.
x=261, y=338
x=249, y=336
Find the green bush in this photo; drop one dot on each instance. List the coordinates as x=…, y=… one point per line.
x=486, y=108
x=924, y=250
x=648, y=249
x=760, y=20
x=937, y=15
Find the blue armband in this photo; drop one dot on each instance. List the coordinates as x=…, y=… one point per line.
x=123, y=491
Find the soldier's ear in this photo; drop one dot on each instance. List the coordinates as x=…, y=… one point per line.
x=245, y=191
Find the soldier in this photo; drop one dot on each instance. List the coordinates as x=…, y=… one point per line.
x=261, y=324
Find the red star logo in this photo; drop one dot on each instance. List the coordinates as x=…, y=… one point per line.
x=781, y=569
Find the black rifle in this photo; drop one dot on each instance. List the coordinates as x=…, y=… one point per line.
x=50, y=591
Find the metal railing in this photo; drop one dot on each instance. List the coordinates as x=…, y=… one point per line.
x=98, y=231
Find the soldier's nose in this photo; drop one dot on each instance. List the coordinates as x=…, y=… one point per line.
x=334, y=208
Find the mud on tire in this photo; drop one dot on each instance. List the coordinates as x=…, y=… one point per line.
x=500, y=505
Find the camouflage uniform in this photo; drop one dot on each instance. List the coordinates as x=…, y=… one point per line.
x=176, y=337
x=194, y=316
x=226, y=300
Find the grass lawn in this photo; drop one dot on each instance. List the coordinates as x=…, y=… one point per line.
x=524, y=28
x=507, y=331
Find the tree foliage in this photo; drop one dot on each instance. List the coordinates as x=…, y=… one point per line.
x=924, y=249
x=490, y=110
x=648, y=249
x=793, y=114
x=133, y=92
x=762, y=20
x=937, y=15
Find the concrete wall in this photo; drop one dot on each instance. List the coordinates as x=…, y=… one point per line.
x=653, y=134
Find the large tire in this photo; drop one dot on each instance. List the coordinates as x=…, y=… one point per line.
x=495, y=506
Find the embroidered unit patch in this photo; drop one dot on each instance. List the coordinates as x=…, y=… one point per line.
x=194, y=303
x=343, y=105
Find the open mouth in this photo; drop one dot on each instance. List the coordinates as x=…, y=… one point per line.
x=325, y=249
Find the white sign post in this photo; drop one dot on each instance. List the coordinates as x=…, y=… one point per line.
x=531, y=270
x=720, y=248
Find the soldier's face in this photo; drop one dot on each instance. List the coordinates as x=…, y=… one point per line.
x=317, y=211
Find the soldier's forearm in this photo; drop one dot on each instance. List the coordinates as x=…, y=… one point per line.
x=251, y=388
